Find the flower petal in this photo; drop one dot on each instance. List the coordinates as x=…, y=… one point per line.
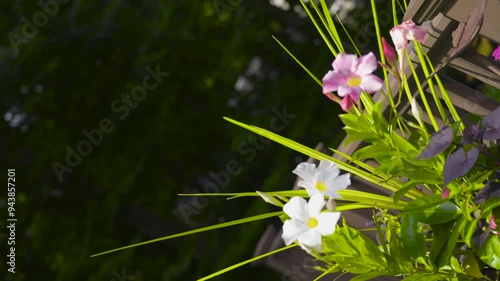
x=296, y=208
x=315, y=205
x=327, y=166
x=311, y=238
x=311, y=189
x=371, y=83
x=366, y=64
x=292, y=229
x=328, y=169
x=341, y=182
x=398, y=35
x=306, y=171
x=353, y=92
x=332, y=80
x=327, y=222
x=345, y=61
x=418, y=32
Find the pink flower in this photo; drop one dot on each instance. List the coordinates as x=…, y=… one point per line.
x=405, y=31
x=493, y=224
x=389, y=53
x=351, y=76
x=496, y=53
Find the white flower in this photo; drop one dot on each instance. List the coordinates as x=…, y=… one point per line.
x=307, y=224
x=324, y=179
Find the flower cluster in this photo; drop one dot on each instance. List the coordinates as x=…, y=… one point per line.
x=307, y=224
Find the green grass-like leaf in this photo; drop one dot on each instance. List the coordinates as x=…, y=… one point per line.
x=305, y=68
x=212, y=227
x=390, y=185
x=335, y=52
x=246, y=262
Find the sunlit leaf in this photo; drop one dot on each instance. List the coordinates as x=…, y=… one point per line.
x=425, y=276
x=471, y=267
x=370, y=275
x=404, y=189
x=490, y=252
x=353, y=251
x=432, y=209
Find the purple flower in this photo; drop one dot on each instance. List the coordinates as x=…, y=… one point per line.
x=496, y=53
x=350, y=76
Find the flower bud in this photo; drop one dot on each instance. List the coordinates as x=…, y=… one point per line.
x=389, y=53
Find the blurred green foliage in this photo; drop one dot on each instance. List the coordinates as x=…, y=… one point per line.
x=66, y=76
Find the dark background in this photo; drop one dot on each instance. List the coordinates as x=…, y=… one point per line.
x=63, y=76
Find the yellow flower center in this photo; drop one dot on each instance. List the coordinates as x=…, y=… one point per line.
x=320, y=186
x=312, y=222
x=353, y=81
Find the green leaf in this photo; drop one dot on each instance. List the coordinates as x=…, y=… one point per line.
x=413, y=236
x=440, y=234
x=433, y=209
x=469, y=230
x=270, y=199
x=349, y=120
x=372, y=151
x=315, y=154
x=490, y=252
x=489, y=205
x=471, y=267
x=443, y=257
x=404, y=189
x=402, y=144
x=353, y=251
x=455, y=265
x=370, y=275
x=398, y=254
x=425, y=276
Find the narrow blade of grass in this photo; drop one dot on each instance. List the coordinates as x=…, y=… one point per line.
x=212, y=227
x=335, y=52
x=229, y=268
x=305, y=68
x=316, y=154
